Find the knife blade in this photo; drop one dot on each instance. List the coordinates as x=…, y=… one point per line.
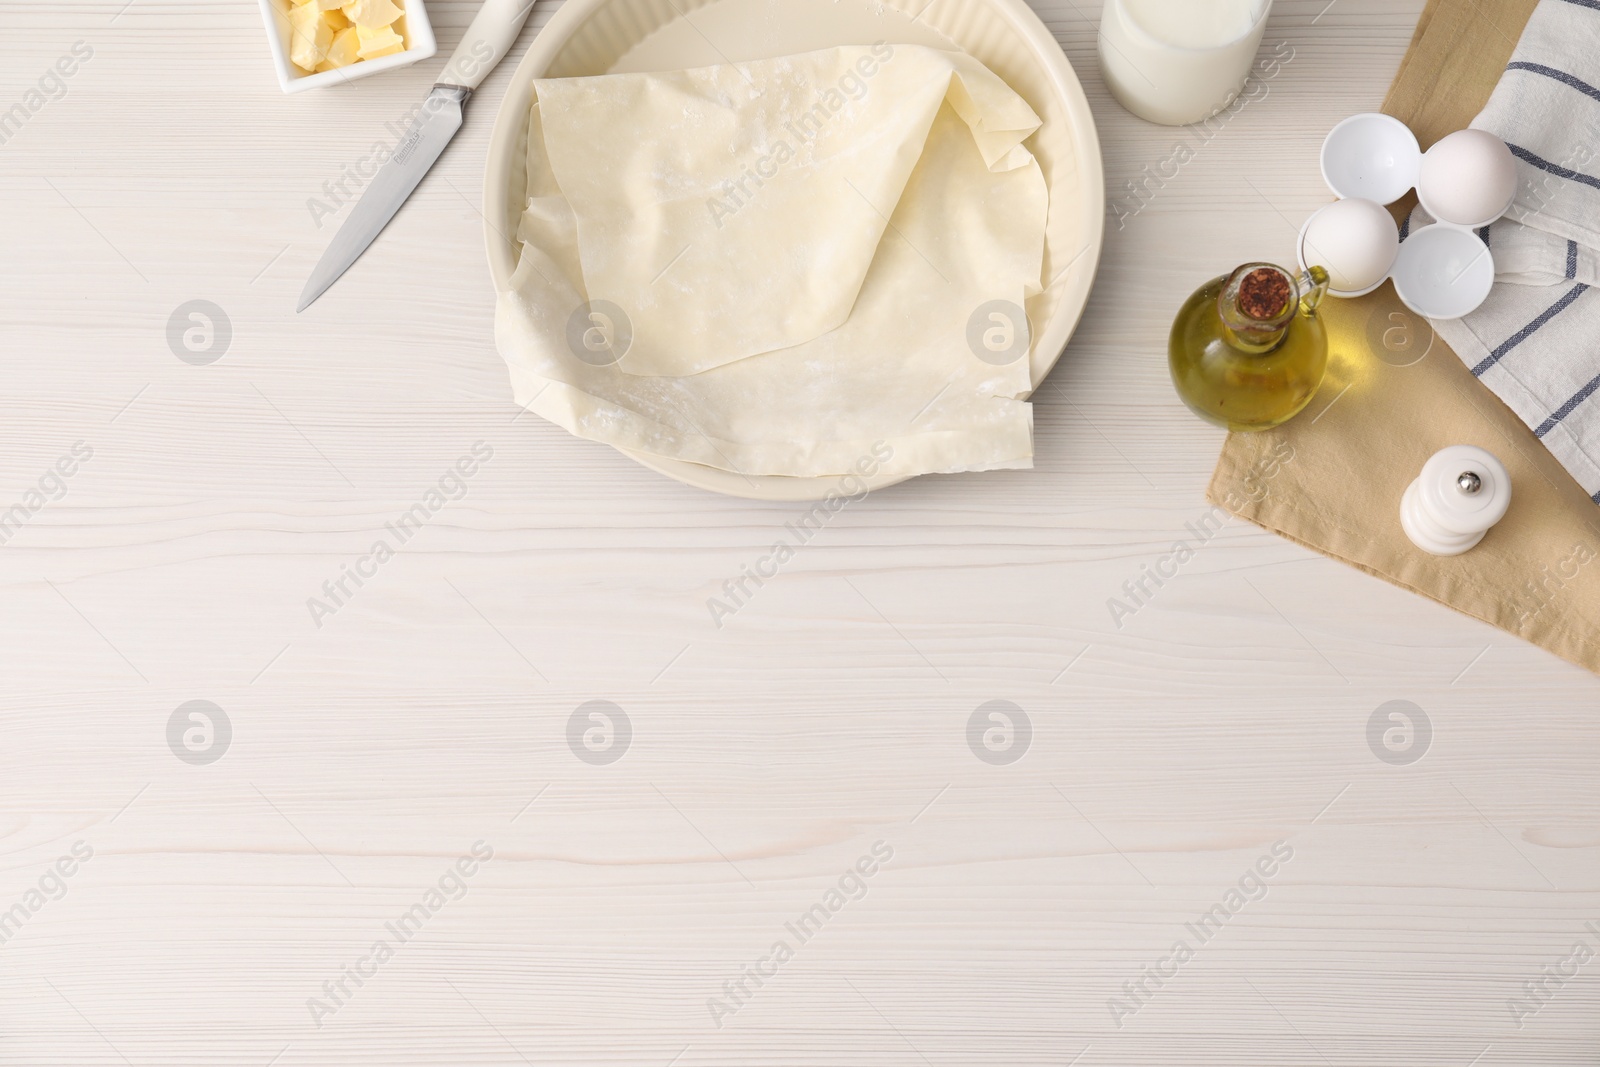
x=494, y=29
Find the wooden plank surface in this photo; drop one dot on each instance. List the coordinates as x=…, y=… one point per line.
x=1168, y=754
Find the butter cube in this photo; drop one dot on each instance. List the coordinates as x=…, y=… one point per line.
x=335, y=19
x=309, y=36
x=343, y=51
x=372, y=14
x=382, y=41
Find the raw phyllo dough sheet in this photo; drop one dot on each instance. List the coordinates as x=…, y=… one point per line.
x=773, y=267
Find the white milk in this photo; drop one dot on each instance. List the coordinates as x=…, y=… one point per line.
x=1196, y=23
x=1178, y=61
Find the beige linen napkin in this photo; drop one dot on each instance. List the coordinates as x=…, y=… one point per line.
x=1331, y=479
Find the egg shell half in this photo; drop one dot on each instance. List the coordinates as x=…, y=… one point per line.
x=1372, y=156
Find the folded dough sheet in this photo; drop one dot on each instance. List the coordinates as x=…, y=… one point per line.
x=773, y=267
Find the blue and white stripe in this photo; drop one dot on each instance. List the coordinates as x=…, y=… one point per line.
x=1529, y=330
x=1536, y=340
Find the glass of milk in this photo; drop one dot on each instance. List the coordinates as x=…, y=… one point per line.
x=1179, y=61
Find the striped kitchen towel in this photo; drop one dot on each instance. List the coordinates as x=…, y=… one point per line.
x=1536, y=340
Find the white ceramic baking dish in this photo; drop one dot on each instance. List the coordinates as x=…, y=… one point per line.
x=587, y=37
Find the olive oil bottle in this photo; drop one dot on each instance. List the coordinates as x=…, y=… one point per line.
x=1247, y=350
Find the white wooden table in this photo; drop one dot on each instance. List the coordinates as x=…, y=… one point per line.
x=766, y=757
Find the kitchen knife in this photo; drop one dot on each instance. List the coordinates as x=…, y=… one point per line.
x=493, y=31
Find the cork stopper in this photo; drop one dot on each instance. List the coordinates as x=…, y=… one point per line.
x=1256, y=303
x=1264, y=294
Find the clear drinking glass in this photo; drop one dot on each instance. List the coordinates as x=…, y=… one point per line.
x=1177, y=66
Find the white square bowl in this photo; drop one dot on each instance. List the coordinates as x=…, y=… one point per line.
x=413, y=26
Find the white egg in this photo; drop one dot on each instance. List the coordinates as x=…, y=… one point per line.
x=1355, y=239
x=1467, y=178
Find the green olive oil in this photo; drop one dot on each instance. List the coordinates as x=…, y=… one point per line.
x=1247, y=350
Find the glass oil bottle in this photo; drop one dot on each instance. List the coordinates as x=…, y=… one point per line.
x=1247, y=350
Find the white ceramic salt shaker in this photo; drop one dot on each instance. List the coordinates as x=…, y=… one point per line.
x=1461, y=492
